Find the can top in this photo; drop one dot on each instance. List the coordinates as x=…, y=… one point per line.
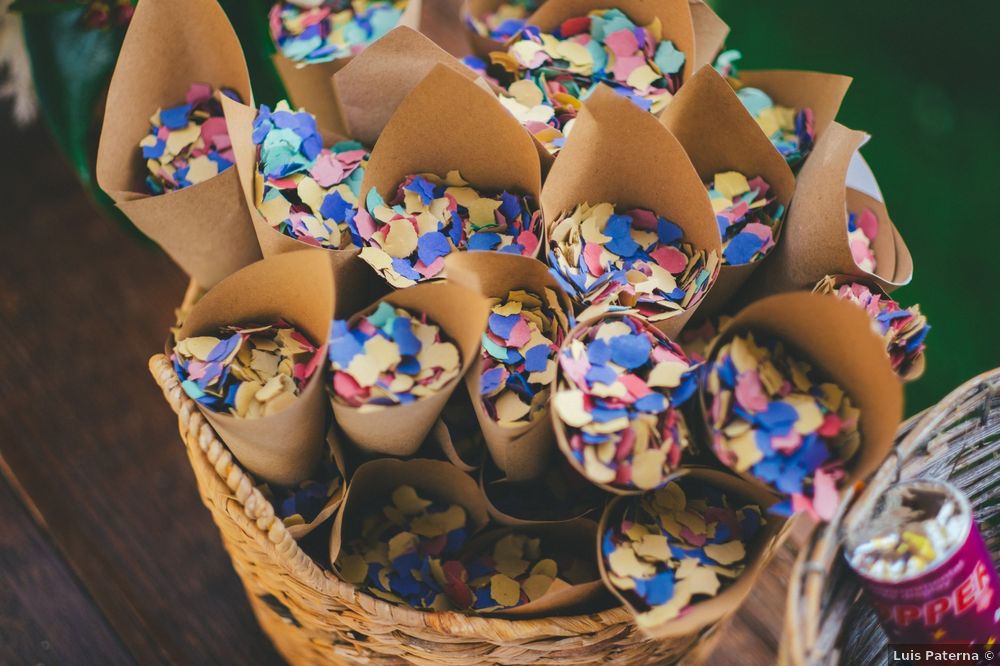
x=916, y=526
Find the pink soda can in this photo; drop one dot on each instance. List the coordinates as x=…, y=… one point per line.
x=925, y=567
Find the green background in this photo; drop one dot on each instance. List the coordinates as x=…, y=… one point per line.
x=925, y=89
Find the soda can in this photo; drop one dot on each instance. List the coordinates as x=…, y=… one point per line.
x=925, y=567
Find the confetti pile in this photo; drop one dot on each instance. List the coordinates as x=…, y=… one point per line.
x=547, y=76
x=304, y=190
x=514, y=572
x=677, y=546
x=919, y=540
x=403, y=549
x=407, y=240
x=247, y=371
x=623, y=382
x=187, y=144
x=903, y=329
x=311, y=31
x=749, y=219
x=390, y=357
x=506, y=21
x=301, y=504
x=519, y=350
x=861, y=231
x=772, y=415
x=791, y=131
x=634, y=259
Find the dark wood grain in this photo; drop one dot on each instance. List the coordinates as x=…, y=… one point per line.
x=127, y=557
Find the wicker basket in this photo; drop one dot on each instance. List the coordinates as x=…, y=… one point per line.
x=957, y=440
x=312, y=617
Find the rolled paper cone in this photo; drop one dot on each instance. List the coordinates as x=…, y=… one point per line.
x=916, y=369
x=522, y=451
x=399, y=430
x=711, y=611
x=576, y=537
x=503, y=518
x=821, y=92
x=308, y=87
x=620, y=154
x=720, y=135
x=356, y=284
x=202, y=227
x=282, y=448
x=371, y=87
x=674, y=16
x=333, y=442
x=814, y=240
x=374, y=481
x=449, y=123
x=835, y=337
x=710, y=33
x=308, y=84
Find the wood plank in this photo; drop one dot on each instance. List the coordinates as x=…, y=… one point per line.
x=45, y=615
x=83, y=303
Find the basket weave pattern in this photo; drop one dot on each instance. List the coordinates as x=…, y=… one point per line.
x=957, y=440
x=312, y=617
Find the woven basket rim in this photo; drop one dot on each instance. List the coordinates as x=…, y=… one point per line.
x=804, y=620
x=265, y=526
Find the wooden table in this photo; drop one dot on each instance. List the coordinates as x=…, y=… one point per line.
x=106, y=554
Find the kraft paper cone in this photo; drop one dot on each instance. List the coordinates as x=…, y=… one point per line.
x=710, y=33
x=399, y=430
x=523, y=452
x=821, y=92
x=710, y=611
x=375, y=481
x=368, y=91
x=576, y=537
x=674, y=15
x=491, y=484
x=298, y=287
x=449, y=123
x=356, y=284
x=308, y=84
x=336, y=454
x=835, y=337
x=720, y=135
x=916, y=369
x=618, y=153
x=814, y=240
x=171, y=44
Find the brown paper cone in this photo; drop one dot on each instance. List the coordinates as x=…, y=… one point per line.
x=300, y=531
x=814, y=240
x=356, y=284
x=823, y=93
x=203, y=228
x=836, y=337
x=489, y=480
x=710, y=33
x=916, y=369
x=374, y=482
x=523, y=451
x=674, y=15
x=577, y=537
x=399, y=430
x=449, y=123
x=308, y=85
x=710, y=611
x=298, y=287
x=720, y=135
x=617, y=153
x=368, y=91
